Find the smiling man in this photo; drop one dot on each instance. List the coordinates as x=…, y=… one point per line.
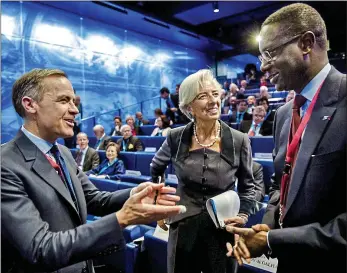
x=86, y=157
x=45, y=197
x=305, y=222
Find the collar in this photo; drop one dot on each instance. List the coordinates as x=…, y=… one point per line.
x=42, y=144
x=258, y=126
x=311, y=88
x=84, y=151
x=227, y=142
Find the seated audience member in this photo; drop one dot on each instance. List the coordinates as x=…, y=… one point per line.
x=231, y=107
x=223, y=97
x=111, y=167
x=140, y=120
x=178, y=88
x=233, y=89
x=251, y=104
x=129, y=143
x=241, y=94
x=86, y=158
x=157, y=113
x=263, y=81
x=241, y=113
x=131, y=122
x=258, y=126
x=258, y=181
x=270, y=115
x=263, y=92
x=243, y=84
x=117, y=125
x=163, y=127
x=102, y=138
x=290, y=96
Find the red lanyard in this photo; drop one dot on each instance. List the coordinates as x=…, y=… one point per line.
x=292, y=148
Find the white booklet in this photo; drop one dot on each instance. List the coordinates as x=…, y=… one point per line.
x=223, y=206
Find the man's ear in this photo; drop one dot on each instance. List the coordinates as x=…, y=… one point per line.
x=308, y=40
x=29, y=105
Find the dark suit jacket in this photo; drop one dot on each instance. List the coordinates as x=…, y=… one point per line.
x=181, y=118
x=233, y=118
x=118, y=133
x=138, y=128
x=265, y=129
x=315, y=218
x=271, y=115
x=111, y=172
x=91, y=159
x=104, y=142
x=134, y=143
x=41, y=229
x=258, y=181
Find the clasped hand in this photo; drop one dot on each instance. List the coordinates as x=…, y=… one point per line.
x=249, y=242
x=140, y=207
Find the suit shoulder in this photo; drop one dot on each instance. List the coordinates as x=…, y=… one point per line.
x=175, y=132
x=8, y=150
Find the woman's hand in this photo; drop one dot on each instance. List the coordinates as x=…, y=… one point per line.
x=238, y=221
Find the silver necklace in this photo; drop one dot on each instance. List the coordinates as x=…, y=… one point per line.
x=210, y=144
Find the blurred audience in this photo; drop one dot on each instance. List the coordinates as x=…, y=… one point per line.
x=163, y=127
x=264, y=92
x=102, y=138
x=117, y=125
x=270, y=115
x=171, y=104
x=129, y=143
x=178, y=88
x=263, y=81
x=258, y=126
x=243, y=84
x=290, y=96
x=86, y=158
x=140, y=120
x=251, y=101
x=241, y=113
x=111, y=167
x=258, y=181
x=157, y=113
x=131, y=122
x=231, y=105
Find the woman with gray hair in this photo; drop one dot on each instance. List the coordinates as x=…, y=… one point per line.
x=208, y=157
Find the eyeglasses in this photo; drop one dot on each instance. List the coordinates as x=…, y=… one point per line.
x=266, y=56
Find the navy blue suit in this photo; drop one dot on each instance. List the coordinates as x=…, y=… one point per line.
x=111, y=172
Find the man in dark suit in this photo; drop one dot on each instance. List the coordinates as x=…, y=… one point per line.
x=270, y=114
x=45, y=197
x=259, y=185
x=173, y=111
x=129, y=143
x=305, y=222
x=101, y=138
x=258, y=126
x=241, y=113
x=86, y=157
x=139, y=121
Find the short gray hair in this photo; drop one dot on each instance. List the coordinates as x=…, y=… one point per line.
x=192, y=85
x=98, y=126
x=81, y=134
x=123, y=127
x=31, y=85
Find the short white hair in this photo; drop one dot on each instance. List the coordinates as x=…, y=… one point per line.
x=98, y=126
x=124, y=127
x=263, y=89
x=192, y=85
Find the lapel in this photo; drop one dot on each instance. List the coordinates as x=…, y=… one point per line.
x=42, y=167
x=227, y=143
x=86, y=158
x=315, y=129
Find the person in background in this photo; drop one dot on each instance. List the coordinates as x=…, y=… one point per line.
x=263, y=92
x=208, y=157
x=163, y=127
x=129, y=143
x=171, y=104
x=101, y=137
x=251, y=101
x=45, y=197
x=86, y=157
x=241, y=93
x=157, y=113
x=258, y=126
x=270, y=115
x=131, y=122
x=232, y=106
x=111, y=167
x=139, y=121
x=117, y=125
x=263, y=81
x=290, y=96
x=243, y=84
x=305, y=223
x=178, y=88
x=241, y=113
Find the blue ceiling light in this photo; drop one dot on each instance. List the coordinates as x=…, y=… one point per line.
x=215, y=7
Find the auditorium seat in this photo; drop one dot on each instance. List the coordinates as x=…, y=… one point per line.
x=257, y=217
x=143, y=160
x=262, y=144
x=134, y=179
x=147, y=130
x=129, y=159
x=224, y=117
x=279, y=94
x=102, y=155
x=152, y=141
x=268, y=170
x=115, y=138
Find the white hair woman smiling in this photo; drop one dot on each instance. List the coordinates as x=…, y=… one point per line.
x=207, y=156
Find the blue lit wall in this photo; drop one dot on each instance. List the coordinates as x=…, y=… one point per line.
x=108, y=66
